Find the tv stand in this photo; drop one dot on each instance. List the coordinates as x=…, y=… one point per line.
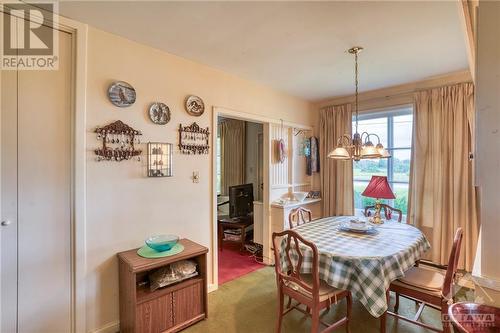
x=236, y=223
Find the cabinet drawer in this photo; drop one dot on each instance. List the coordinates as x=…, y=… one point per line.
x=155, y=316
x=188, y=302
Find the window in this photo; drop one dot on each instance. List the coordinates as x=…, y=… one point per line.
x=395, y=131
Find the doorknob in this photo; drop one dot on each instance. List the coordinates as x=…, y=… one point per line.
x=5, y=223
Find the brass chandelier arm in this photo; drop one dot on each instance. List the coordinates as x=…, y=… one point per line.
x=344, y=141
x=367, y=137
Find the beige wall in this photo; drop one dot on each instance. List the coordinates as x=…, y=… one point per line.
x=123, y=206
x=488, y=141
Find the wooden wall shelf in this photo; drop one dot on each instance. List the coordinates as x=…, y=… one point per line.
x=168, y=309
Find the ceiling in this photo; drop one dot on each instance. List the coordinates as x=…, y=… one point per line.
x=295, y=47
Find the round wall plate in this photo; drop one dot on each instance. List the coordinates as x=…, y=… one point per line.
x=159, y=113
x=121, y=94
x=194, y=105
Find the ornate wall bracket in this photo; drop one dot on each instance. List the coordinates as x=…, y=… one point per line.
x=118, y=141
x=193, y=139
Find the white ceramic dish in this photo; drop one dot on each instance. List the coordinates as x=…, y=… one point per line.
x=366, y=227
x=300, y=196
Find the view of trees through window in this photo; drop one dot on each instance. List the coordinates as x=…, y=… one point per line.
x=394, y=129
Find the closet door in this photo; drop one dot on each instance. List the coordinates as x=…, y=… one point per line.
x=36, y=180
x=9, y=208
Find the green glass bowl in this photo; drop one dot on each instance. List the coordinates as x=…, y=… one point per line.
x=162, y=243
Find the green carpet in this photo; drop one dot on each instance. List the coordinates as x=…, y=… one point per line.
x=248, y=304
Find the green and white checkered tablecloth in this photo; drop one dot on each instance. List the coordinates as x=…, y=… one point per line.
x=365, y=264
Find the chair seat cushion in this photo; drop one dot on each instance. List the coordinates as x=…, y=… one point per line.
x=325, y=291
x=422, y=279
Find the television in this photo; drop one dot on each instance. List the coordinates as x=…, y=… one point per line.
x=240, y=200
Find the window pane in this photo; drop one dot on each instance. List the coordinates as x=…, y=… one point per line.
x=401, y=193
x=403, y=131
x=365, y=169
x=373, y=126
x=359, y=201
x=401, y=165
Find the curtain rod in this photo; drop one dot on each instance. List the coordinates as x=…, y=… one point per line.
x=394, y=95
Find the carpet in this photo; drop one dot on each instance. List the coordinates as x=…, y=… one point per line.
x=234, y=264
x=248, y=305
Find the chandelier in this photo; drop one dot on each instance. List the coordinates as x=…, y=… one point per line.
x=360, y=146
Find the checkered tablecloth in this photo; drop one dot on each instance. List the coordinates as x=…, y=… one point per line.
x=365, y=264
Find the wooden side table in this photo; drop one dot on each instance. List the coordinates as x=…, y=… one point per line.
x=474, y=318
x=169, y=309
x=238, y=223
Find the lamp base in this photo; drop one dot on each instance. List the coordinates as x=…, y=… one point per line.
x=376, y=218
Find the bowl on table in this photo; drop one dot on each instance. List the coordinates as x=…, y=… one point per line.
x=162, y=243
x=357, y=224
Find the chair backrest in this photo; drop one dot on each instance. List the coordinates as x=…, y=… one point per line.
x=289, y=249
x=388, y=210
x=451, y=270
x=299, y=216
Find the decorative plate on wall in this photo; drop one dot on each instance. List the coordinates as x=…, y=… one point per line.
x=121, y=94
x=159, y=113
x=194, y=105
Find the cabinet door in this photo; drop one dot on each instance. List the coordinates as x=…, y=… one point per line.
x=188, y=302
x=155, y=316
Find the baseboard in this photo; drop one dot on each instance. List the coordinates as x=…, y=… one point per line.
x=113, y=327
x=212, y=287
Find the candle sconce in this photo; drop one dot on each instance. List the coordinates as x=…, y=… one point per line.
x=193, y=139
x=118, y=141
x=160, y=159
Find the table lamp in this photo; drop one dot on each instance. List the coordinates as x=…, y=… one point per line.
x=378, y=188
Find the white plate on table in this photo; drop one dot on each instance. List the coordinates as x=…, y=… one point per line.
x=357, y=227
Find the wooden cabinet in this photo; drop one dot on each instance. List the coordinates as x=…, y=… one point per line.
x=168, y=309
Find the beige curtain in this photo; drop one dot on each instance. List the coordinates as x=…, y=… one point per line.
x=233, y=140
x=442, y=194
x=336, y=176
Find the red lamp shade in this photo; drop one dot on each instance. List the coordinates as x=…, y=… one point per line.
x=378, y=188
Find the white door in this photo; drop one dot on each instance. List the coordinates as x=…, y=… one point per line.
x=36, y=197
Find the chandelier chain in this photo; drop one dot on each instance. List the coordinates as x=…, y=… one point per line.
x=356, y=83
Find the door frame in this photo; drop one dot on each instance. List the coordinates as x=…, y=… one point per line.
x=219, y=111
x=79, y=39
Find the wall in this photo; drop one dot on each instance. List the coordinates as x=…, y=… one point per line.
x=123, y=206
x=487, y=265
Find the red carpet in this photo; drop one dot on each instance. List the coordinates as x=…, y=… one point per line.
x=233, y=263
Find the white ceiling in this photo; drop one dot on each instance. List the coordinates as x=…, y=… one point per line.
x=296, y=47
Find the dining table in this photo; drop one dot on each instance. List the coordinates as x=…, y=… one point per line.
x=363, y=263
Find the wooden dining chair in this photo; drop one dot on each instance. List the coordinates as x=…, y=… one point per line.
x=299, y=216
x=306, y=289
x=429, y=287
x=388, y=210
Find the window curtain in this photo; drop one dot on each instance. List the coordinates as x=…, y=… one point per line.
x=442, y=195
x=336, y=176
x=233, y=141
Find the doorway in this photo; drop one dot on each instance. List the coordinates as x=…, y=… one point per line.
x=37, y=204
x=240, y=184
